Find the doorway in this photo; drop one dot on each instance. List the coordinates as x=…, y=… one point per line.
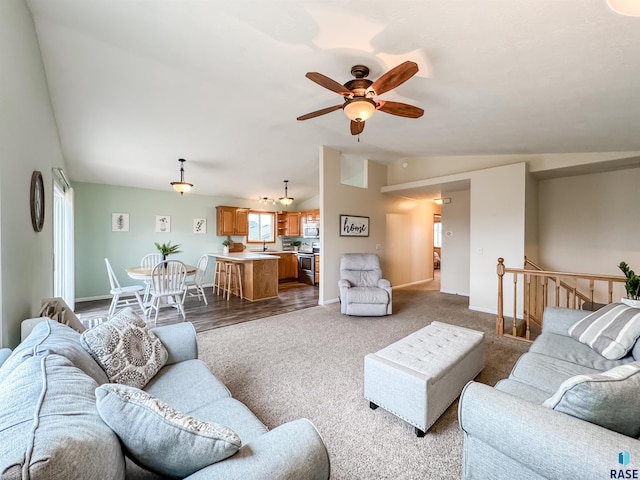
x=437, y=248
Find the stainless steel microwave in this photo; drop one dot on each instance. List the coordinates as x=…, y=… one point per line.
x=311, y=230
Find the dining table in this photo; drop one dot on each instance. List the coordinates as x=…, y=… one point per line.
x=144, y=273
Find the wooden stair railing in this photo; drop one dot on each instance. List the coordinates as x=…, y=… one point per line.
x=536, y=294
x=570, y=289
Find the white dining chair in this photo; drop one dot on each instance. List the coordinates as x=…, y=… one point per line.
x=167, y=284
x=122, y=296
x=149, y=261
x=195, y=286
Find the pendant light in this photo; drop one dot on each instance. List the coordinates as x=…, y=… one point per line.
x=286, y=200
x=181, y=186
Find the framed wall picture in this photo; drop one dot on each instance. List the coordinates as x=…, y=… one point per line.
x=354, y=226
x=163, y=224
x=119, y=222
x=199, y=225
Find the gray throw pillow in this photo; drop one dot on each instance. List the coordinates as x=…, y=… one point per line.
x=609, y=399
x=126, y=349
x=159, y=437
x=611, y=331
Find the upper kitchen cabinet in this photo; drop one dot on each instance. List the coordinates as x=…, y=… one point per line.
x=289, y=224
x=232, y=221
x=293, y=224
x=311, y=216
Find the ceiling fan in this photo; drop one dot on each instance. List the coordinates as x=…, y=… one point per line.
x=360, y=95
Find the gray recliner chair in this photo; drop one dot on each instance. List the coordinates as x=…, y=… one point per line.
x=363, y=291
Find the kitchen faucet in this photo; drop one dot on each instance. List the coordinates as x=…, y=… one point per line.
x=264, y=245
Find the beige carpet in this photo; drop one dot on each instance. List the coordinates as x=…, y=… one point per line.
x=310, y=364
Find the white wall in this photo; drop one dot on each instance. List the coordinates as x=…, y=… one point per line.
x=454, y=269
x=589, y=223
x=497, y=230
x=28, y=141
x=337, y=199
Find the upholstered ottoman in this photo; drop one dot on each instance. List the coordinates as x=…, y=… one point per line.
x=419, y=376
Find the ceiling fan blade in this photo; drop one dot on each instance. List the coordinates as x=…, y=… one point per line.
x=400, y=109
x=317, y=113
x=328, y=83
x=356, y=127
x=394, y=77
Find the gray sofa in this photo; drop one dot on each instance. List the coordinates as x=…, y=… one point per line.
x=50, y=426
x=509, y=433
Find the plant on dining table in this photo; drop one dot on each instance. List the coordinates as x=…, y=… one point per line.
x=167, y=249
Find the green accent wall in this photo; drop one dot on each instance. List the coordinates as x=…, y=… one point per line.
x=94, y=239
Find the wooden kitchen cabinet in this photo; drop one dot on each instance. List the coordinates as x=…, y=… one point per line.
x=293, y=224
x=317, y=269
x=310, y=216
x=232, y=221
x=288, y=224
x=287, y=265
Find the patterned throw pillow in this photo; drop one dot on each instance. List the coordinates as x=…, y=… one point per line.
x=126, y=349
x=159, y=437
x=609, y=399
x=611, y=331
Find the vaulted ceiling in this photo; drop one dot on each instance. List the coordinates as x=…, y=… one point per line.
x=137, y=84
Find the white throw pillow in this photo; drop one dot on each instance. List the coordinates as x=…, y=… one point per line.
x=159, y=437
x=611, y=331
x=126, y=349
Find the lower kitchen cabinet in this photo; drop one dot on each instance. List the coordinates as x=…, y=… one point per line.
x=287, y=265
x=317, y=269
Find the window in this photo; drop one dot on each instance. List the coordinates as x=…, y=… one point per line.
x=261, y=227
x=63, y=244
x=437, y=231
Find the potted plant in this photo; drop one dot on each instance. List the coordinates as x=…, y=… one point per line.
x=225, y=246
x=167, y=249
x=296, y=245
x=631, y=285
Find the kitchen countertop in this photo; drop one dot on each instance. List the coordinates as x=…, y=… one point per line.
x=270, y=251
x=243, y=256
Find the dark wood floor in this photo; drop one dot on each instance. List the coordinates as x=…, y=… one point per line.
x=220, y=312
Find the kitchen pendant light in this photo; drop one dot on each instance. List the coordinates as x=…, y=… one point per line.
x=181, y=186
x=266, y=200
x=286, y=200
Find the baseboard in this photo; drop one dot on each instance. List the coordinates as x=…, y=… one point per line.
x=108, y=297
x=91, y=299
x=506, y=315
x=412, y=283
x=450, y=292
x=328, y=302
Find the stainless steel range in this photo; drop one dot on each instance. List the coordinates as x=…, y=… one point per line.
x=307, y=264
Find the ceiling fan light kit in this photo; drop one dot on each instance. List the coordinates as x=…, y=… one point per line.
x=359, y=109
x=360, y=95
x=181, y=187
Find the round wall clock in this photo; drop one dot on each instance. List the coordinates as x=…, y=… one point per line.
x=37, y=201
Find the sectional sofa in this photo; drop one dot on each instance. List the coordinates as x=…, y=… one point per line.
x=63, y=416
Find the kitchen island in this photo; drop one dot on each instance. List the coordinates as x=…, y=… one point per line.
x=259, y=273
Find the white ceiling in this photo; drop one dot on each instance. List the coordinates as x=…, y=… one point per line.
x=137, y=84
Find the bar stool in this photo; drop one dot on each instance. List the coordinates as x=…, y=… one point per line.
x=233, y=275
x=220, y=278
